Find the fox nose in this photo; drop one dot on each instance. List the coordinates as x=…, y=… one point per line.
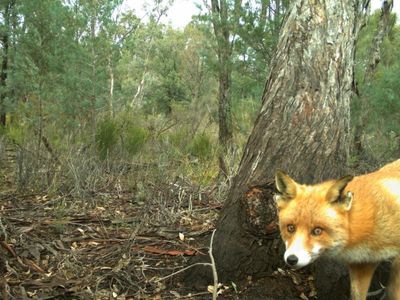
x=292, y=260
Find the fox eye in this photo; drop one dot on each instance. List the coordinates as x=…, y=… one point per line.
x=317, y=231
x=291, y=228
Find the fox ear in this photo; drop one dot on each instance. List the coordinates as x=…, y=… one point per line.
x=285, y=185
x=335, y=193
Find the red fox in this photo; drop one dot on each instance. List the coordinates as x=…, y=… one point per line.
x=355, y=220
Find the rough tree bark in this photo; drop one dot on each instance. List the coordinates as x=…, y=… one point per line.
x=302, y=127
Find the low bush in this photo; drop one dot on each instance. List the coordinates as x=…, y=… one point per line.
x=106, y=137
x=135, y=138
x=201, y=146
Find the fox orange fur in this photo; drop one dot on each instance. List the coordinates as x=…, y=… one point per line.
x=355, y=220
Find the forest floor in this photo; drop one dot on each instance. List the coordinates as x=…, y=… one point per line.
x=117, y=245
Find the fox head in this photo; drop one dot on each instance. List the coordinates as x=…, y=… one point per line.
x=313, y=219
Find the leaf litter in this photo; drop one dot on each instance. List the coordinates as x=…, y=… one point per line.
x=104, y=247
x=111, y=246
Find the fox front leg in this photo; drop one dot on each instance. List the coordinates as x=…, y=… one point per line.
x=360, y=277
x=393, y=289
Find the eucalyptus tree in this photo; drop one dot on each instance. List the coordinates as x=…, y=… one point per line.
x=302, y=127
x=369, y=58
x=244, y=32
x=7, y=10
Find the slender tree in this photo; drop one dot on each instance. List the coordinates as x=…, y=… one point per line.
x=5, y=41
x=233, y=38
x=374, y=58
x=220, y=18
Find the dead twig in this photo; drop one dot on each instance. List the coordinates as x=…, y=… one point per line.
x=182, y=270
x=213, y=267
x=3, y=233
x=4, y=288
x=8, y=248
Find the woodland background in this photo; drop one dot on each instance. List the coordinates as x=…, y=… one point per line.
x=110, y=135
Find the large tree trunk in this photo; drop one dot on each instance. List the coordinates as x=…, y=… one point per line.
x=302, y=127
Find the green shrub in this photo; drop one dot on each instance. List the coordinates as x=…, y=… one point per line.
x=179, y=138
x=135, y=138
x=16, y=134
x=201, y=146
x=106, y=137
